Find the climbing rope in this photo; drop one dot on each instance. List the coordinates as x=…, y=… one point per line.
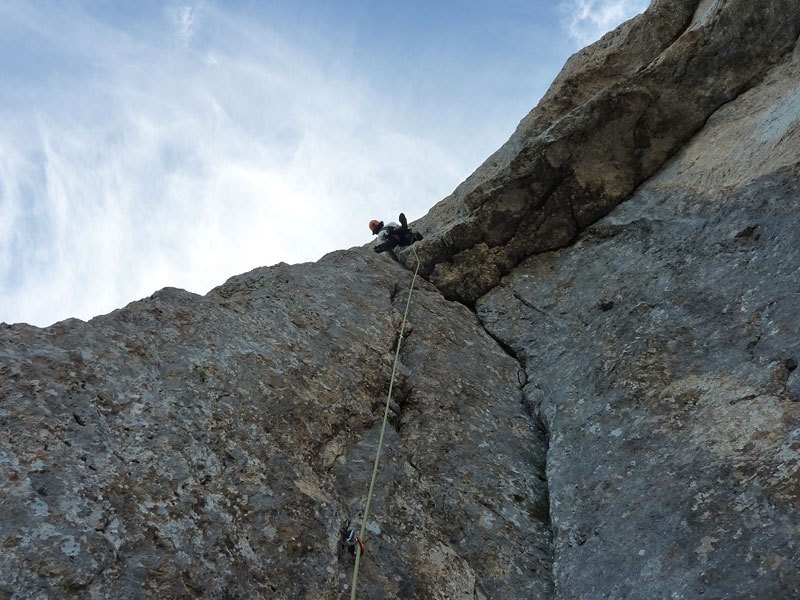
x=359, y=546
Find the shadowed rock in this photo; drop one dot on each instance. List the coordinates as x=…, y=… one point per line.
x=616, y=113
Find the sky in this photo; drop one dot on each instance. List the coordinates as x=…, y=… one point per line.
x=146, y=144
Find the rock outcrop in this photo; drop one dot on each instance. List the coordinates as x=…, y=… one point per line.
x=214, y=446
x=662, y=351
x=619, y=110
x=598, y=394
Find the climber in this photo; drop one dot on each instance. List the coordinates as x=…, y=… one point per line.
x=392, y=235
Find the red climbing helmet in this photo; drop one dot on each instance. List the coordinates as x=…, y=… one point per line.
x=374, y=225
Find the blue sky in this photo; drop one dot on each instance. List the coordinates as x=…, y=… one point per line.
x=146, y=144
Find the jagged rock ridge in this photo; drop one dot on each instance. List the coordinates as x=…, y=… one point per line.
x=618, y=417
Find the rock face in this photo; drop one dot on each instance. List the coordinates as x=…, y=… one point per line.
x=619, y=110
x=662, y=351
x=214, y=446
x=587, y=406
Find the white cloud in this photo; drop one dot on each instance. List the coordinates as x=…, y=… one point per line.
x=162, y=165
x=587, y=21
x=184, y=19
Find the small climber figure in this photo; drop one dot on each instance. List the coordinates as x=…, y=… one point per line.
x=392, y=235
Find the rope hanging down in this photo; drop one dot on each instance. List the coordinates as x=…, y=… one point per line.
x=383, y=430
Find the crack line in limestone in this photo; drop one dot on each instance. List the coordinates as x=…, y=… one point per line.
x=537, y=421
x=507, y=349
x=399, y=382
x=541, y=426
x=535, y=308
x=362, y=532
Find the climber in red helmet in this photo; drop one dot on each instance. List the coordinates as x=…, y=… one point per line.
x=392, y=235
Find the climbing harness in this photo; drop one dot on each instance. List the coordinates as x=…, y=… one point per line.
x=359, y=548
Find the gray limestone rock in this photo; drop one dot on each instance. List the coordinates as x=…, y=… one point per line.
x=658, y=351
x=661, y=350
x=214, y=446
x=610, y=410
x=606, y=126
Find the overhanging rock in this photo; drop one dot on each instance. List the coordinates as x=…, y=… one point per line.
x=614, y=116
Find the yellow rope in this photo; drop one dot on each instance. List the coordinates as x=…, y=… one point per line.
x=383, y=430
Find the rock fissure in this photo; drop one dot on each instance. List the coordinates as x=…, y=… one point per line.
x=539, y=506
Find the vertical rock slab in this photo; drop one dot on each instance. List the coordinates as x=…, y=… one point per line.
x=662, y=351
x=461, y=490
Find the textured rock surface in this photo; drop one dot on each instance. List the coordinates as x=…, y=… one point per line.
x=618, y=418
x=662, y=351
x=213, y=446
x=607, y=125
